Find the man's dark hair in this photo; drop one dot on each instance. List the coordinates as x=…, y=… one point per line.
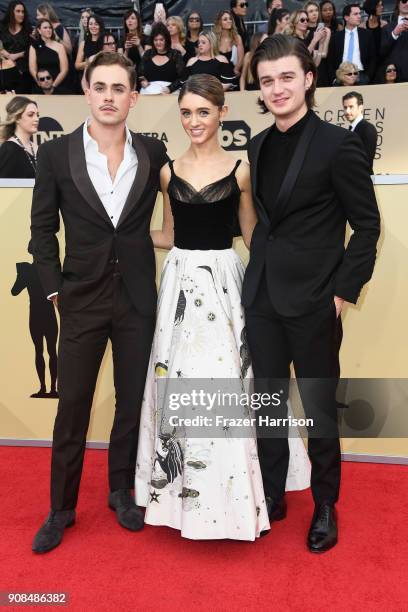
x=105, y=58
x=348, y=7
x=280, y=45
x=233, y=4
x=159, y=29
x=268, y=4
x=356, y=95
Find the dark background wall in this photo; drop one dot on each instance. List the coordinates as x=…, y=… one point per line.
x=112, y=10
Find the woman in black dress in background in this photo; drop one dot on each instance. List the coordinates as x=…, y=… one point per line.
x=209, y=61
x=18, y=154
x=278, y=20
x=194, y=26
x=162, y=69
x=374, y=23
x=48, y=54
x=47, y=11
x=134, y=42
x=328, y=15
x=15, y=33
x=92, y=44
x=247, y=81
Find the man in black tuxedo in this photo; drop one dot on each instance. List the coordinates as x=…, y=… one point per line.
x=353, y=44
x=394, y=40
x=353, y=105
x=309, y=179
x=103, y=179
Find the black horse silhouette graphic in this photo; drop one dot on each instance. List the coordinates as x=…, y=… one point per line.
x=42, y=324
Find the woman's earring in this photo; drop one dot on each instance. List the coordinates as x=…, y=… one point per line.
x=221, y=124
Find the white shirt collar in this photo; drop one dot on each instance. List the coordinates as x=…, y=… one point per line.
x=356, y=121
x=88, y=138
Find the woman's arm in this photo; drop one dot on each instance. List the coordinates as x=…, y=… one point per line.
x=164, y=238
x=246, y=214
x=32, y=63
x=66, y=41
x=243, y=77
x=241, y=53
x=14, y=56
x=323, y=48
x=80, y=63
x=63, y=62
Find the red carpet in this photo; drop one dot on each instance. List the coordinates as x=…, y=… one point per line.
x=104, y=567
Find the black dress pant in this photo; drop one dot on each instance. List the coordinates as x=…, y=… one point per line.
x=312, y=343
x=84, y=334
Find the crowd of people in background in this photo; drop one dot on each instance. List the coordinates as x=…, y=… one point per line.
x=358, y=47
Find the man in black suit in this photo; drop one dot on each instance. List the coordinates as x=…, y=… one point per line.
x=353, y=105
x=394, y=40
x=309, y=179
x=353, y=44
x=103, y=179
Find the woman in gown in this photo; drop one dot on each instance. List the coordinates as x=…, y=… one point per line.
x=206, y=487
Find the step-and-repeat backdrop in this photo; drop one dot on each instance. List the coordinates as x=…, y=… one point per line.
x=375, y=344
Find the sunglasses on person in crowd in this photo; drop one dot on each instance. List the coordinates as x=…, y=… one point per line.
x=194, y=19
x=351, y=73
x=245, y=4
x=391, y=70
x=45, y=78
x=109, y=42
x=302, y=20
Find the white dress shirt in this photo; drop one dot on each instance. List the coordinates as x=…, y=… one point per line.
x=356, y=122
x=356, y=50
x=113, y=194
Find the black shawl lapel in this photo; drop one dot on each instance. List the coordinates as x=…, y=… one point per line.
x=254, y=176
x=79, y=173
x=141, y=178
x=294, y=167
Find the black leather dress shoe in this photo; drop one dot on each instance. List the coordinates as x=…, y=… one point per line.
x=50, y=534
x=276, y=511
x=323, y=530
x=128, y=514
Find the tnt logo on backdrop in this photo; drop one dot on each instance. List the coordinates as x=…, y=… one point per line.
x=235, y=135
x=48, y=129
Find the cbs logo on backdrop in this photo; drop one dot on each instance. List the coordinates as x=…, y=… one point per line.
x=235, y=135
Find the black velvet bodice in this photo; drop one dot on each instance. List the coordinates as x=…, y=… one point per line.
x=204, y=219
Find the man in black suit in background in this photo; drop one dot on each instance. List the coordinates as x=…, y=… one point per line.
x=353, y=111
x=353, y=44
x=309, y=178
x=103, y=179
